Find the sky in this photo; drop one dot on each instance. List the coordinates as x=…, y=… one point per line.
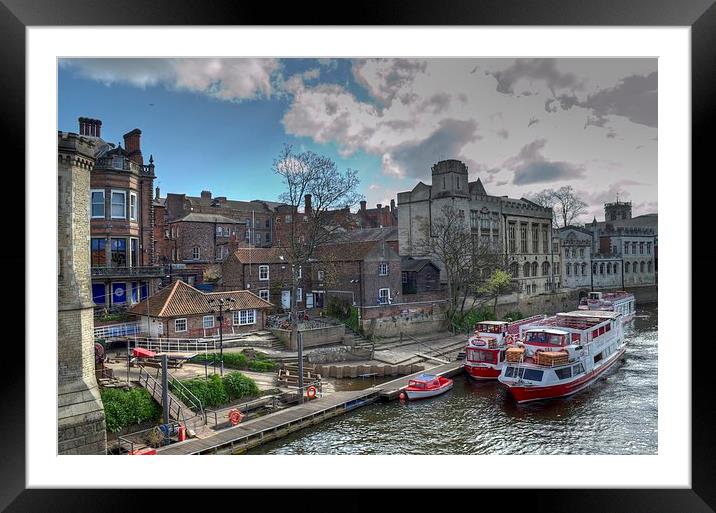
x=520, y=125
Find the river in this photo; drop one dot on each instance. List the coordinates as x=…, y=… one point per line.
x=616, y=415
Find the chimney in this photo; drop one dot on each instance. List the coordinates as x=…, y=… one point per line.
x=362, y=206
x=205, y=194
x=379, y=206
x=90, y=127
x=307, y=207
x=157, y=193
x=392, y=205
x=133, y=146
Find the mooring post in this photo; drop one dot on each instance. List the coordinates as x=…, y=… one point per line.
x=165, y=392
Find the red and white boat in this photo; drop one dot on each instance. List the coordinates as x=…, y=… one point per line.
x=485, y=350
x=427, y=385
x=621, y=301
x=563, y=354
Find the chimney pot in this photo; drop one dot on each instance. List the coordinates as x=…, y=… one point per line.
x=392, y=205
x=132, y=143
x=362, y=205
x=307, y=206
x=157, y=192
x=379, y=206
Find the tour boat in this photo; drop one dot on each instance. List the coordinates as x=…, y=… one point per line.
x=485, y=350
x=563, y=354
x=427, y=385
x=621, y=301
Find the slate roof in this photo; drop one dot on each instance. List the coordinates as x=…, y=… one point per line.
x=182, y=299
x=207, y=218
x=415, y=264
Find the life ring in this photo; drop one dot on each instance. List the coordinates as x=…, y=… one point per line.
x=311, y=392
x=510, y=339
x=235, y=417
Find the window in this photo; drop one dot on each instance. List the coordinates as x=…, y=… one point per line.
x=511, y=231
x=526, y=269
x=98, y=253
x=404, y=277
x=458, y=182
x=133, y=206
x=523, y=238
x=473, y=219
x=133, y=252
x=257, y=239
x=383, y=269
x=299, y=273
x=564, y=373
x=288, y=218
x=119, y=205
x=535, y=267
x=321, y=275
x=384, y=296
x=179, y=325
x=545, y=241
x=568, y=269
x=635, y=267
x=601, y=268
x=648, y=248
x=577, y=369
x=119, y=252
x=584, y=269
x=533, y=374
x=514, y=269
x=97, y=210
x=535, y=238
x=264, y=294
x=299, y=295
x=195, y=252
x=581, y=252
x=208, y=321
x=268, y=223
x=641, y=267
x=243, y=317
x=649, y=268
x=174, y=254
x=641, y=248
x=263, y=272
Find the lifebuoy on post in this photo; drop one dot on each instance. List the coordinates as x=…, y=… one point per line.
x=235, y=417
x=311, y=392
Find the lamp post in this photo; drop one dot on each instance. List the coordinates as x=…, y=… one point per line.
x=220, y=306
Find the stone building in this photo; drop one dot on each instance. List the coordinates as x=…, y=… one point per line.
x=576, y=256
x=80, y=414
x=122, y=242
x=182, y=311
x=517, y=229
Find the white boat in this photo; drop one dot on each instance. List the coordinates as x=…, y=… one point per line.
x=621, y=301
x=427, y=385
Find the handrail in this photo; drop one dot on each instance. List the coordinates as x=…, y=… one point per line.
x=193, y=399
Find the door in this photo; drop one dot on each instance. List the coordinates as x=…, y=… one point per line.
x=309, y=300
x=286, y=299
x=318, y=299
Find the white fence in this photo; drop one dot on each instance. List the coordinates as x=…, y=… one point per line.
x=179, y=345
x=117, y=330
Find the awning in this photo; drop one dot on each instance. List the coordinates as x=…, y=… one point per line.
x=143, y=353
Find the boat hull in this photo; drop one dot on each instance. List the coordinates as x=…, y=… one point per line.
x=482, y=373
x=524, y=394
x=425, y=394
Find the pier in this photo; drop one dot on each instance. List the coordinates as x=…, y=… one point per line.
x=245, y=436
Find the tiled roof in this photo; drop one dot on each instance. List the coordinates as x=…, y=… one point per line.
x=207, y=218
x=415, y=264
x=182, y=299
x=370, y=234
x=261, y=255
x=340, y=251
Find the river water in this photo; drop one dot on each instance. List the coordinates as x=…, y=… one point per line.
x=616, y=415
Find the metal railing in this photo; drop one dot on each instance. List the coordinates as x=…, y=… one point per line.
x=142, y=438
x=188, y=396
x=140, y=271
x=117, y=330
x=160, y=345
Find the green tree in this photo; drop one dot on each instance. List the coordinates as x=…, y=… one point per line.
x=499, y=282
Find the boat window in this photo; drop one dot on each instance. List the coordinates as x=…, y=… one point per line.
x=608, y=327
x=512, y=372
x=595, y=333
x=564, y=373
x=576, y=337
x=598, y=357
x=577, y=369
x=555, y=340
x=533, y=374
x=477, y=355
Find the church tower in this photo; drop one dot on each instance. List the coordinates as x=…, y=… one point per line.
x=449, y=179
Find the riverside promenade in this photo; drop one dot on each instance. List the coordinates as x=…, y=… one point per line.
x=240, y=438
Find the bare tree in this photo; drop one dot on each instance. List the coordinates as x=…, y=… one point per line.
x=467, y=263
x=564, y=202
x=330, y=189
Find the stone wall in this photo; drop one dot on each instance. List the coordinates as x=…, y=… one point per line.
x=406, y=318
x=312, y=337
x=540, y=304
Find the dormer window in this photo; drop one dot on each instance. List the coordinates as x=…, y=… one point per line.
x=118, y=163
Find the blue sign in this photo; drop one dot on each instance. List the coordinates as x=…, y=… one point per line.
x=119, y=293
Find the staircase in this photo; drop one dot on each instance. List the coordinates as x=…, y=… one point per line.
x=361, y=345
x=193, y=419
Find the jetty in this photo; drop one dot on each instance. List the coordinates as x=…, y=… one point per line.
x=250, y=434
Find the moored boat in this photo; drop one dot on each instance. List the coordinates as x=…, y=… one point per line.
x=427, y=385
x=620, y=301
x=563, y=354
x=487, y=346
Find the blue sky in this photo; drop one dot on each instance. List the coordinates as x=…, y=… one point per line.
x=520, y=125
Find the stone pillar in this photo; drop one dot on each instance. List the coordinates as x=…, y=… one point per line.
x=81, y=424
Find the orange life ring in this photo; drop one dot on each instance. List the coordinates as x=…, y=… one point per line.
x=235, y=417
x=311, y=392
x=510, y=339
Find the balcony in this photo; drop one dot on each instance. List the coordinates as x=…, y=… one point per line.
x=157, y=271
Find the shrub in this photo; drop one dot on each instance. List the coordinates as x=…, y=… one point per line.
x=123, y=408
x=467, y=321
x=237, y=385
x=232, y=360
x=513, y=316
x=262, y=366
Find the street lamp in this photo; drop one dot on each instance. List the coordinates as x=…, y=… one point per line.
x=220, y=306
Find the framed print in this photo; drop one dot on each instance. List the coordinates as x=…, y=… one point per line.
x=548, y=137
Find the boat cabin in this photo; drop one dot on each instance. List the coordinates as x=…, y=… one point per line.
x=495, y=327
x=546, y=337
x=424, y=381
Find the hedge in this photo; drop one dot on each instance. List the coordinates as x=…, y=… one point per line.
x=217, y=391
x=237, y=361
x=123, y=408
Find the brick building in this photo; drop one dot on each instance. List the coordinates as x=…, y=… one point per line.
x=378, y=217
x=182, y=311
x=80, y=414
x=122, y=238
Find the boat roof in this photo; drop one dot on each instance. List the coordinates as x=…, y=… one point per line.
x=424, y=377
x=492, y=322
x=549, y=330
x=599, y=314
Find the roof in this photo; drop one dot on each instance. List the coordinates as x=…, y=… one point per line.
x=369, y=234
x=181, y=299
x=261, y=255
x=206, y=218
x=424, y=377
x=599, y=314
x=246, y=206
x=338, y=252
x=415, y=264
x=498, y=323
x=548, y=330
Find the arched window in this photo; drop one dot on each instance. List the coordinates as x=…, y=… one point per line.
x=626, y=267
x=609, y=268
x=545, y=268
x=635, y=267
x=641, y=267
x=535, y=267
x=526, y=269
x=568, y=269
x=514, y=270
x=616, y=268
x=601, y=268
x=584, y=268
x=594, y=269
x=648, y=267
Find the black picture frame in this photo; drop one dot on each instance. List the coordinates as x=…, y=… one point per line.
x=700, y=15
